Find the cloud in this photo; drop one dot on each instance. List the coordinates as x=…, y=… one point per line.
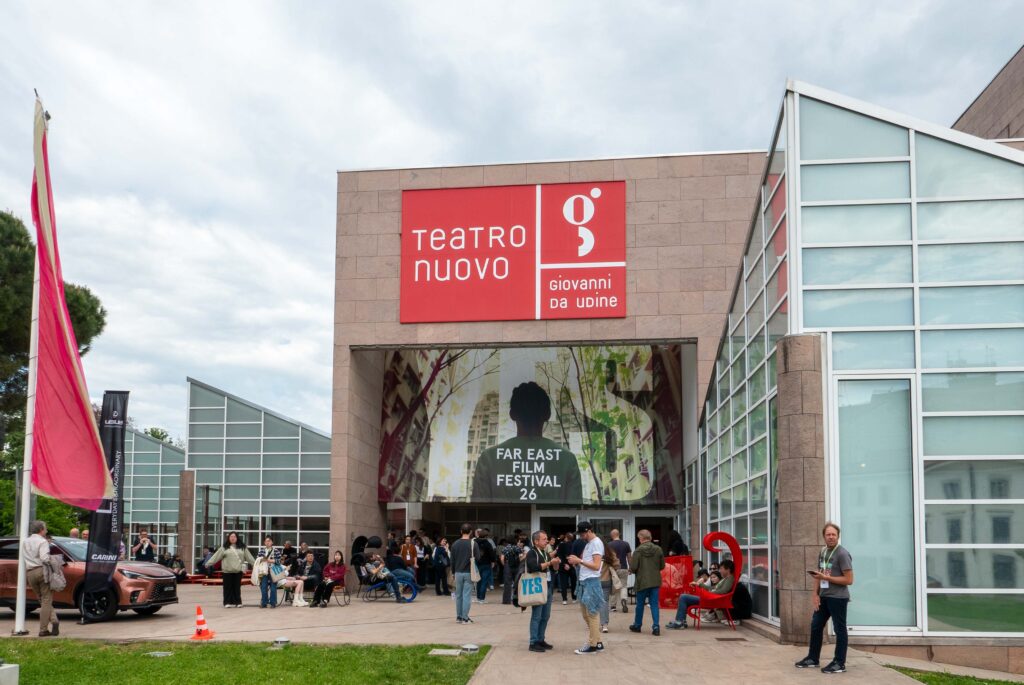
x=194, y=145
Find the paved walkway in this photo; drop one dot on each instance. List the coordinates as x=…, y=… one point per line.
x=707, y=656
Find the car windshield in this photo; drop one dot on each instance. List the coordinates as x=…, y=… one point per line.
x=75, y=547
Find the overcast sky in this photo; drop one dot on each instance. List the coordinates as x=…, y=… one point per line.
x=194, y=146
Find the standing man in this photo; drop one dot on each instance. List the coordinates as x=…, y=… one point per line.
x=36, y=549
x=588, y=585
x=648, y=560
x=485, y=563
x=539, y=561
x=566, y=575
x=73, y=533
x=625, y=554
x=144, y=549
x=464, y=551
x=834, y=578
x=510, y=554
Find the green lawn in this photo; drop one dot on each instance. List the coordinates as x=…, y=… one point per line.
x=947, y=678
x=77, y=661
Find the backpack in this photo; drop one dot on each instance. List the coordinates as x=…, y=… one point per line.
x=486, y=551
x=511, y=557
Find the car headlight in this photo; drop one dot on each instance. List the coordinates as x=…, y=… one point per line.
x=135, y=575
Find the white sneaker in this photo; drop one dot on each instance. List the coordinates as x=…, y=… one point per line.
x=239, y=606
x=300, y=603
x=564, y=602
x=229, y=606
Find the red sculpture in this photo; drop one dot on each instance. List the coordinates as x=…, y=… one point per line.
x=709, y=600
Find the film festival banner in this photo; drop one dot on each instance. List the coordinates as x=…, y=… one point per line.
x=105, y=531
x=556, y=425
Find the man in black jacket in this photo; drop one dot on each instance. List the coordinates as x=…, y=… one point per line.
x=566, y=573
x=309, y=572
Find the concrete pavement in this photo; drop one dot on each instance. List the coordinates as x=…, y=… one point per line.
x=707, y=656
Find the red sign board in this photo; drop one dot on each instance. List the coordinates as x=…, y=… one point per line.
x=514, y=252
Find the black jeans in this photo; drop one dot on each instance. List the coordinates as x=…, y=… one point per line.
x=441, y=580
x=323, y=591
x=232, y=586
x=508, y=587
x=567, y=581
x=834, y=608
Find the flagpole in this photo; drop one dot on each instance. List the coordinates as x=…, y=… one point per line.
x=26, y=471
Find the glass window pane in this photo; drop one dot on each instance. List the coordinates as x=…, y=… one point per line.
x=315, y=492
x=973, y=391
x=957, y=435
x=757, y=421
x=841, y=265
x=982, y=262
x=879, y=350
x=739, y=498
x=948, y=170
x=244, y=430
x=776, y=248
x=992, y=219
x=238, y=411
x=755, y=317
x=200, y=461
x=829, y=132
x=280, y=445
x=286, y=508
x=755, y=279
x=886, y=181
x=280, y=491
x=201, y=447
x=759, y=494
x=206, y=430
x=278, y=428
x=855, y=224
x=201, y=397
x=759, y=456
x=972, y=348
x=776, y=288
x=876, y=466
x=757, y=385
x=974, y=524
x=974, y=479
x=989, y=613
x=315, y=508
x=755, y=350
x=242, y=461
x=281, y=477
x=317, y=477
x=242, y=508
x=778, y=326
x=881, y=307
x=974, y=569
x=241, y=477
x=206, y=415
x=280, y=461
x=776, y=206
x=316, y=461
x=311, y=442
x=236, y=445
x=241, y=491
x=981, y=304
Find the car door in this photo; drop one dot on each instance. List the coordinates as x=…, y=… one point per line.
x=8, y=570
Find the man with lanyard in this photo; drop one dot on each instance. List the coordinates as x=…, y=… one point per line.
x=539, y=561
x=834, y=577
x=589, y=585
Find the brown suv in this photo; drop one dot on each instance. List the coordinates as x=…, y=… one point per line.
x=141, y=586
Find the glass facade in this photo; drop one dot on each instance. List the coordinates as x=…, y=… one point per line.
x=257, y=472
x=908, y=260
x=152, y=470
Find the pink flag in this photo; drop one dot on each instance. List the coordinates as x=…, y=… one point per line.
x=67, y=457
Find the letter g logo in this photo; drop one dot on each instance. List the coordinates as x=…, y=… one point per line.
x=578, y=210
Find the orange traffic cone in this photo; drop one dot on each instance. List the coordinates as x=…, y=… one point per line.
x=202, y=632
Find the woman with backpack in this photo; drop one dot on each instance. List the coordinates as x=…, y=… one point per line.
x=442, y=561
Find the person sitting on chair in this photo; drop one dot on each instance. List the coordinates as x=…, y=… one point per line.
x=334, y=574
x=294, y=584
x=309, y=571
x=379, y=573
x=722, y=587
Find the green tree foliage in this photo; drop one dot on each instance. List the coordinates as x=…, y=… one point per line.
x=88, y=318
x=158, y=433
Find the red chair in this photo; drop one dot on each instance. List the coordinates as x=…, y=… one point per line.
x=709, y=600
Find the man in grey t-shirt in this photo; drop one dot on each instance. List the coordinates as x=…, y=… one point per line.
x=834, y=576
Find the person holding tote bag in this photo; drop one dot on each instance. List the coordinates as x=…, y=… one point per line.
x=268, y=557
x=538, y=571
x=233, y=556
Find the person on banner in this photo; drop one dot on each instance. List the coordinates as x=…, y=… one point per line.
x=834, y=577
x=528, y=468
x=233, y=555
x=625, y=553
x=648, y=561
x=538, y=560
x=722, y=587
x=270, y=556
x=36, y=549
x=144, y=549
x=589, y=585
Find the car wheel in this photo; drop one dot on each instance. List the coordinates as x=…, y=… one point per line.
x=98, y=606
x=147, y=611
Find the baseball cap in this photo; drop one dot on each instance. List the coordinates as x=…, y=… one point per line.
x=584, y=527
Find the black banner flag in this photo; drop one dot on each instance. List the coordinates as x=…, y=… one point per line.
x=105, y=524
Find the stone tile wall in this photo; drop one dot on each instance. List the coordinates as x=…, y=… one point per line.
x=998, y=112
x=801, y=479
